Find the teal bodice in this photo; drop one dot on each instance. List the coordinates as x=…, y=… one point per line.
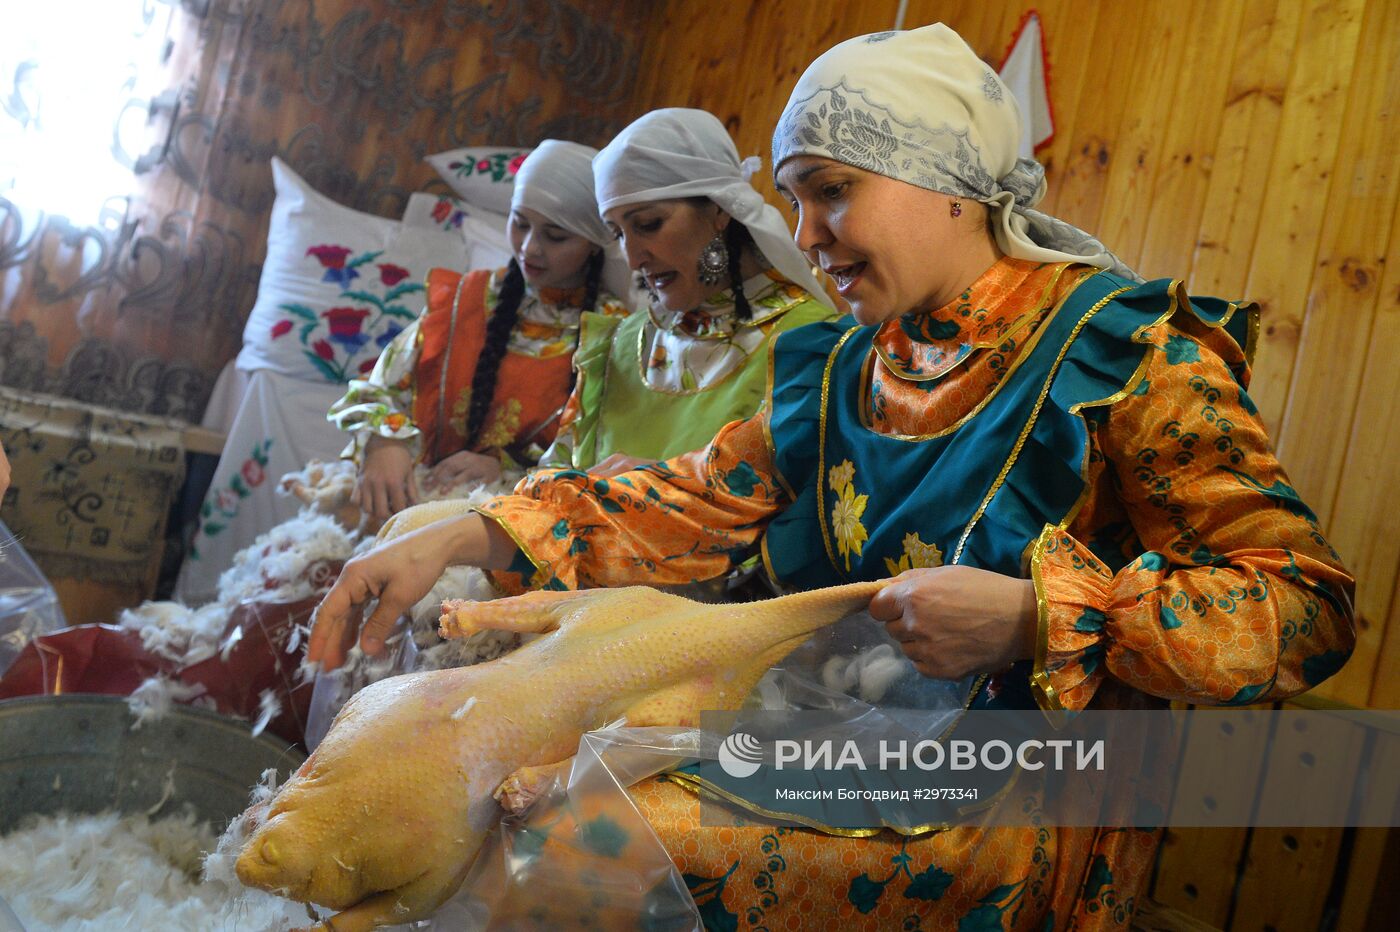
x=868, y=505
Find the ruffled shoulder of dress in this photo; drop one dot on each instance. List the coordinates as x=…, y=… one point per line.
x=1094, y=352
x=1230, y=328
x=442, y=286
x=595, y=336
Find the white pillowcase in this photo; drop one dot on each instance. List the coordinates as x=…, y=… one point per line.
x=483, y=176
x=338, y=285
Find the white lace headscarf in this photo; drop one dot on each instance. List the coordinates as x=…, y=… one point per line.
x=921, y=107
x=676, y=153
x=556, y=179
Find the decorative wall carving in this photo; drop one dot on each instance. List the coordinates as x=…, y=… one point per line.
x=141, y=310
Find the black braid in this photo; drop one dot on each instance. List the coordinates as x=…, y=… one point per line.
x=736, y=238
x=592, y=281
x=592, y=284
x=488, y=364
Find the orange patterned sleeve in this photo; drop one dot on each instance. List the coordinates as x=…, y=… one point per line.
x=1235, y=597
x=689, y=518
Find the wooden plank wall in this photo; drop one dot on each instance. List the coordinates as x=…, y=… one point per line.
x=1247, y=146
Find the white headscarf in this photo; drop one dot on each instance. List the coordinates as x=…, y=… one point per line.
x=921, y=107
x=675, y=153
x=556, y=179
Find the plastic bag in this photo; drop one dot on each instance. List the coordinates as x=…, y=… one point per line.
x=584, y=856
x=334, y=688
x=28, y=604
x=261, y=655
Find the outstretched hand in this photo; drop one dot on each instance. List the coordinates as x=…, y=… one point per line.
x=955, y=620
x=399, y=572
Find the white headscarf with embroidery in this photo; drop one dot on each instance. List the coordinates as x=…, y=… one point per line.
x=921, y=107
x=556, y=179
x=676, y=153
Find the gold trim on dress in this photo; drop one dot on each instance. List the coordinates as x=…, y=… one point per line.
x=1046, y=696
x=540, y=567
x=767, y=559
x=821, y=446
x=766, y=413
x=1034, y=415
x=764, y=326
x=1251, y=339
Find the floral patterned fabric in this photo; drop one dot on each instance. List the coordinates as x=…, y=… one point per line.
x=387, y=401
x=483, y=176
x=375, y=311
x=690, y=351
x=279, y=427
x=1191, y=571
x=338, y=285
x=661, y=383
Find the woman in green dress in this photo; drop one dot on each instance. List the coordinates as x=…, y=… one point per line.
x=723, y=279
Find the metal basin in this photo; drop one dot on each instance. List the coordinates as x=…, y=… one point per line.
x=79, y=754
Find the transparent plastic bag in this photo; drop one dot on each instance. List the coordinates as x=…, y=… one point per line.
x=28, y=604
x=583, y=856
x=335, y=687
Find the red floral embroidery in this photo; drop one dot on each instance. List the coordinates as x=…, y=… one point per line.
x=253, y=473
x=367, y=365
x=330, y=257
x=345, y=324
x=514, y=165
x=335, y=339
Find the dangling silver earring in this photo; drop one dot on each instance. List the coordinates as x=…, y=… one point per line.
x=714, y=261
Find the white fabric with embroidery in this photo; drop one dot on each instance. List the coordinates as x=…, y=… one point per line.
x=685, y=352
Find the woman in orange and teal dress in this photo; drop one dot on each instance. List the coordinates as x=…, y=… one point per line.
x=1059, y=464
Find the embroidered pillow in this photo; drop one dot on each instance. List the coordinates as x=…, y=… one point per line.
x=488, y=246
x=338, y=285
x=483, y=176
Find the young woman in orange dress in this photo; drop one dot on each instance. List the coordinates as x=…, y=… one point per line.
x=485, y=370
